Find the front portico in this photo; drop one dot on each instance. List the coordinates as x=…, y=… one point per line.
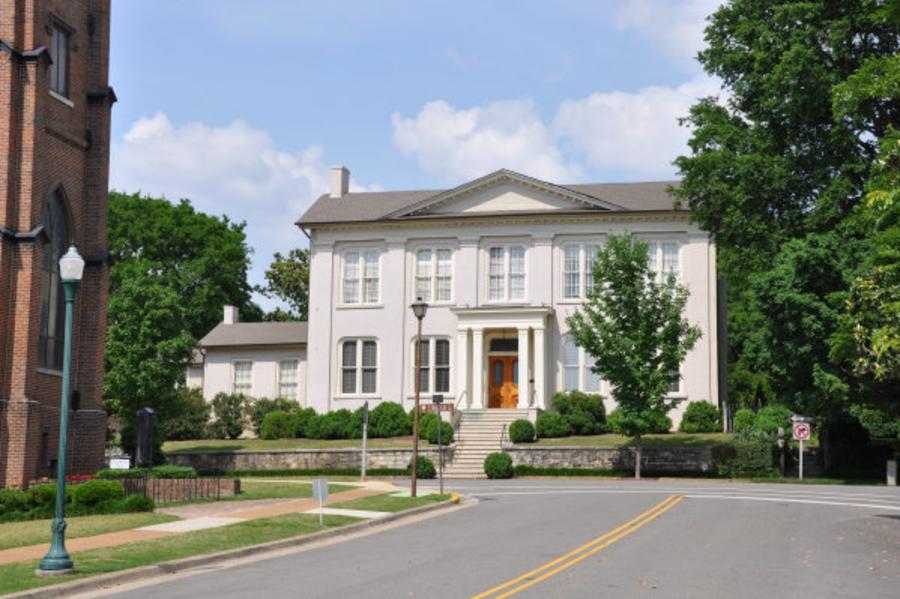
x=502, y=357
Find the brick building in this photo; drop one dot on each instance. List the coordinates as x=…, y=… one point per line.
x=55, y=105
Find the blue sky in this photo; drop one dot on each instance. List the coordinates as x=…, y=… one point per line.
x=241, y=106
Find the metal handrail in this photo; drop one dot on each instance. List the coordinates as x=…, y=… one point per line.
x=503, y=437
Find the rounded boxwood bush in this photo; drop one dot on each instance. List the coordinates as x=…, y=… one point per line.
x=772, y=417
x=551, y=424
x=97, y=491
x=701, y=417
x=137, y=503
x=498, y=465
x=521, y=431
x=389, y=419
x=583, y=412
x=172, y=471
x=256, y=409
x=333, y=425
x=744, y=420
x=424, y=468
x=428, y=423
x=276, y=425
x=12, y=500
x=300, y=422
x=659, y=423
x=41, y=495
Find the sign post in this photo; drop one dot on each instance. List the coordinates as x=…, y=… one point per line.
x=438, y=399
x=320, y=494
x=801, y=433
x=365, y=435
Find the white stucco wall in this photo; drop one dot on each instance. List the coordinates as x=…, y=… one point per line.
x=218, y=370
x=393, y=325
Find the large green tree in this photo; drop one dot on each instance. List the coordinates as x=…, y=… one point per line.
x=287, y=279
x=172, y=271
x=774, y=173
x=635, y=328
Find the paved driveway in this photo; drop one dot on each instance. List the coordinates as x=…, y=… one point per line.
x=546, y=538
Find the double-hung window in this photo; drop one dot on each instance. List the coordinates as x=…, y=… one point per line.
x=666, y=255
x=576, y=366
x=674, y=383
x=434, y=274
x=359, y=367
x=287, y=378
x=578, y=269
x=361, y=280
x=242, y=381
x=506, y=273
x=434, y=372
x=59, y=56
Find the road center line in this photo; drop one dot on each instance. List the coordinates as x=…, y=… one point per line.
x=576, y=555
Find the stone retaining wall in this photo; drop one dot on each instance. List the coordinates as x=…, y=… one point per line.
x=675, y=459
x=301, y=459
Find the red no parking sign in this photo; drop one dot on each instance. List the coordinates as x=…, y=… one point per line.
x=801, y=431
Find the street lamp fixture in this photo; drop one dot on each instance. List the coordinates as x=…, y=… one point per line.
x=57, y=560
x=419, y=308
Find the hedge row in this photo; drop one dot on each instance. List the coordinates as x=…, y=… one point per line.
x=92, y=497
x=163, y=471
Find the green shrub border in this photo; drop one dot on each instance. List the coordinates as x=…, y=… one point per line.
x=310, y=472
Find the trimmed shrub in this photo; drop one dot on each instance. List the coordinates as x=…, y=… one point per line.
x=300, y=422
x=424, y=468
x=12, y=500
x=228, y=422
x=110, y=474
x=333, y=425
x=136, y=503
x=551, y=424
x=498, y=465
x=701, y=417
x=189, y=418
x=658, y=423
x=744, y=420
x=521, y=431
x=389, y=419
x=97, y=491
x=428, y=423
x=750, y=453
x=170, y=471
x=772, y=417
x=256, y=409
x=583, y=412
x=41, y=495
x=277, y=425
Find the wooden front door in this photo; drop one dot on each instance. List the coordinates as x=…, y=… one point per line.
x=503, y=386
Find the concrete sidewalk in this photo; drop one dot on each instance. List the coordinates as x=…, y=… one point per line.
x=198, y=516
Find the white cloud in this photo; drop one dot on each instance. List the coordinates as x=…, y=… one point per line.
x=235, y=170
x=636, y=134
x=675, y=26
x=462, y=144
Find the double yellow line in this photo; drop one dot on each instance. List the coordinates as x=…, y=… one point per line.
x=568, y=560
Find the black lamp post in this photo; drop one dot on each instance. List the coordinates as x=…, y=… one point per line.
x=419, y=308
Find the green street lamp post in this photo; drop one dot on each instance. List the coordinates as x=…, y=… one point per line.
x=57, y=560
x=419, y=309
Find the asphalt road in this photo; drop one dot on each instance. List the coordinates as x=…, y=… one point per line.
x=679, y=540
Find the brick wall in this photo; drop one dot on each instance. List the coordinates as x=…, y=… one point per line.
x=49, y=144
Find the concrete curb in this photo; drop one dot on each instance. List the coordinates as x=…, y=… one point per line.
x=98, y=582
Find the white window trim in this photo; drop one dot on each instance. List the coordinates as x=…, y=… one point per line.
x=582, y=255
x=234, y=372
x=278, y=377
x=583, y=370
x=507, y=273
x=339, y=392
x=434, y=276
x=680, y=393
x=360, y=293
x=430, y=339
x=660, y=255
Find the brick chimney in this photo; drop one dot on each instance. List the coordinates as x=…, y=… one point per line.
x=340, y=181
x=231, y=315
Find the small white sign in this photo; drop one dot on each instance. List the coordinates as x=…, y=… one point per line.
x=801, y=431
x=320, y=490
x=119, y=463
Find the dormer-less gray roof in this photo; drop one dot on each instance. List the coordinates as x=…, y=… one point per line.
x=653, y=196
x=256, y=333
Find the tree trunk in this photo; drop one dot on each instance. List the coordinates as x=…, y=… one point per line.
x=637, y=457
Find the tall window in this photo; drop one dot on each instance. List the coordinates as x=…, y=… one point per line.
x=576, y=364
x=674, y=382
x=287, y=379
x=59, y=55
x=435, y=365
x=506, y=273
x=665, y=254
x=243, y=377
x=359, y=366
x=361, y=277
x=434, y=274
x=578, y=267
x=53, y=305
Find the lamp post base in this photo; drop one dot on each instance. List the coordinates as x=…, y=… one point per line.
x=63, y=571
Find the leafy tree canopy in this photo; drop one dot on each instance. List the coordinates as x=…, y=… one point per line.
x=288, y=280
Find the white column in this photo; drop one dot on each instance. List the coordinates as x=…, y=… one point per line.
x=524, y=387
x=540, y=367
x=462, y=367
x=477, y=368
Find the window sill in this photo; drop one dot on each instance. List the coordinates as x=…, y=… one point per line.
x=511, y=303
x=571, y=301
x=62, y=99
x=359, y=306
x=50, y=371
x=676, y=396
x=426, y=397
x=369, y=396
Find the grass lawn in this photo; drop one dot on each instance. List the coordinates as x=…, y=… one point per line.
x=386, y=503
x=32, y=532
x=20, y=576
x=229, y=445
x=611, y=440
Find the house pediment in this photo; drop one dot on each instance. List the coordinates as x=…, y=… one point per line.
x=505, y=191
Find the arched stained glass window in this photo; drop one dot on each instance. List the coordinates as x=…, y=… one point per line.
x=50, y=345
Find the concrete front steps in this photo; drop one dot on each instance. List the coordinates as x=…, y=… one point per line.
x=479, y=434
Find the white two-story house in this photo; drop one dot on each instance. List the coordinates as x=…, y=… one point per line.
x=501, y=262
